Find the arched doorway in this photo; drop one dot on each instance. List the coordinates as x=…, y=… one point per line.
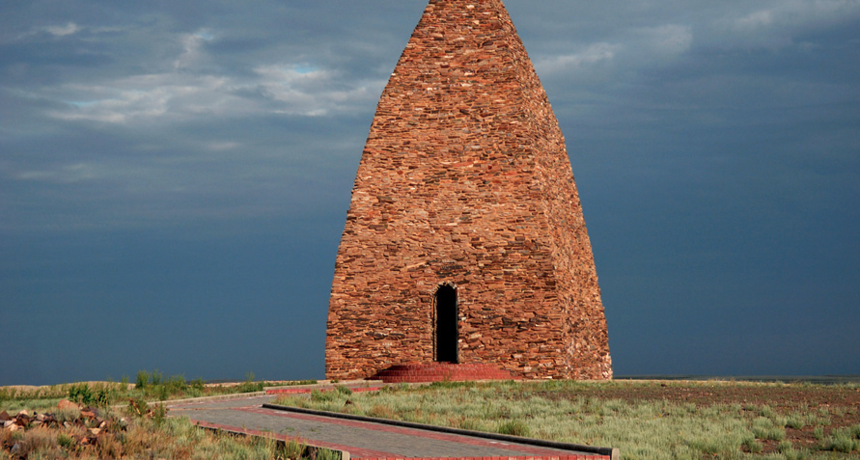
x=446, y=324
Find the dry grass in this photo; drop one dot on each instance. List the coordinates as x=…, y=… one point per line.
x=646, y=420
x=145, y=438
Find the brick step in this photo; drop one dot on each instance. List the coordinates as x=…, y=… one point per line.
x=438, y=372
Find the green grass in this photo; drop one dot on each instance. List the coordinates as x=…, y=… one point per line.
x=150, y=386
x=575, y=412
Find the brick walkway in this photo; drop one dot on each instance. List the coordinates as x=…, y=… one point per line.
x=363, y=440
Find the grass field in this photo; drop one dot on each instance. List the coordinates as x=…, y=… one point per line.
x=148, y=386
x=143, y=430
x=645, y=419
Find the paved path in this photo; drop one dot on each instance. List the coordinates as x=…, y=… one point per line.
x=360, y=439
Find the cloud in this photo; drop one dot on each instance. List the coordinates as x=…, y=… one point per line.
x=62, y=31
x=779, y=25
x=594, y=54
x=222, y=146
x=177, y=96
x=755, y=20
x=309, y=91
x=191, y=44
x=668, y=40
x=799, y=12
x=147, y=98
x=65, y=174
x=190, y=88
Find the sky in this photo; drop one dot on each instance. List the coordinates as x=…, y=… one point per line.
x=175, y=176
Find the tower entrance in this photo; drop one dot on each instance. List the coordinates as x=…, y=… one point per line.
x=446, y=324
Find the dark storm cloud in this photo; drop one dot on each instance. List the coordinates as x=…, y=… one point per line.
x=186, y=161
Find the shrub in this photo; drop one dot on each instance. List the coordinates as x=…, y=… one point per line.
x=317, y=395
x=137, y=407
x=198, y=384
x=842, y=441
x=818, y=433
x=176, y=384
x=344, y=390
x=249, y=386
x=291, y=449
x=763, y=428
x=105, y=397
x=163, y=392
x=753, y=446
x=159, y=414
x=325, y=454
x=81, y=393
x=66, y=441
x=142, y=380
x=156, y=377
x=795, y=422
x=514, y=428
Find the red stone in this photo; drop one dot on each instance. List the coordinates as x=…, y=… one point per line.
x=465, y=182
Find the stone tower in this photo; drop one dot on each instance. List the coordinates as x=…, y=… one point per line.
x=464, y=240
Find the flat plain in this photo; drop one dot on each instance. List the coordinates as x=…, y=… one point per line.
x=646, y=419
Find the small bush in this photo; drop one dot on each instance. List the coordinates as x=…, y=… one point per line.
x=159, y=414
x=322, y=396
x=66, y=441
x=137, y=407
x=514, y=428
x=753, y=446
x=198, y=384
x=842, y=440
x=344, y=390
x=163, y=392
x=155, y=378
x=795, y=422
x=763, y=428
x=81, y=394
x=249, y=386
x=818, y=433
x=142, y=380
x=325, y=454
x=176, y=384
x=291, y=449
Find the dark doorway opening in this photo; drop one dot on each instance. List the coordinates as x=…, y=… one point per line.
x=446, y=324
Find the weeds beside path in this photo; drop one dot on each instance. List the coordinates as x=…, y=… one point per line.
x=34, y=426
x=646, y=420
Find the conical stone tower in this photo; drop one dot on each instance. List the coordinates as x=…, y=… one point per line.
x=465, y=240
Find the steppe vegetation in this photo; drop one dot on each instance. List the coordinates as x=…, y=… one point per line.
x=123, y=421
x=148, y=386
x=645, y=420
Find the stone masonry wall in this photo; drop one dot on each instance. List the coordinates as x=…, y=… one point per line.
x=465, y=179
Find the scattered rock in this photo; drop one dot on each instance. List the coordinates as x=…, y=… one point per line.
x=66, y=404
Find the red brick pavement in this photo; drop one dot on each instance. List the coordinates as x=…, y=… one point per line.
x=363, y=440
